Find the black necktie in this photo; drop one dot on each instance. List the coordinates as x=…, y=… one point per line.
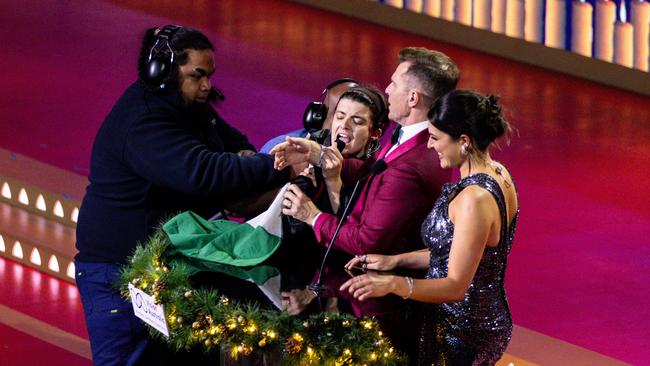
x=394, y=138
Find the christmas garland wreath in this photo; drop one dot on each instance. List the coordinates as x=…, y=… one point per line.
x=203, y=318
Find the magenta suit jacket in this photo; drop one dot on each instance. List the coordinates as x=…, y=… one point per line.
x=387, y=218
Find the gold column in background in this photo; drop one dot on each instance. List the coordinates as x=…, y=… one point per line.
x=555, y=23
x=464, y=12
x=482, y=14
x=515, y=18
x=604, y=30
x=431, y=7
x=414, y=5
x=499, y=16
x=640, y=20
x=534, y=23
x=447, y=9
x=581, y=27
x=395, y=3
x=623, y=52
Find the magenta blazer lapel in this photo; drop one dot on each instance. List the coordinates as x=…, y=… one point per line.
x=416, y=140
x=419, y=138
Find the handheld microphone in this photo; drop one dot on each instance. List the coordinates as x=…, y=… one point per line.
x=377, y=167
x=340, y=145
x=308, y=188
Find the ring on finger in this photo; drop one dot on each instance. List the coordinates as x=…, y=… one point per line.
x=365, y=258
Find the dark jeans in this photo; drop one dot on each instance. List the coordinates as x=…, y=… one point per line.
x=117, y=337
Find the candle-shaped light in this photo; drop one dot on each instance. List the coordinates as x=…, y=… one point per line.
x=640, y=12
x=414, y=5
x=431, y=7
x=447, y=9
x=482, y=12
x=623, y=33
x=464, y=11
x=533, y=25
x=604, y=34
x=499, y=16
x=515, y=18
x=555, y=23
x=395, y=3
x=581, y=27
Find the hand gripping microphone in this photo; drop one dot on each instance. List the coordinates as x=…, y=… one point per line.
x=308, y=188
x=378, y=167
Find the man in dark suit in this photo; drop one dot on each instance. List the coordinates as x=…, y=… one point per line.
x=387, y=216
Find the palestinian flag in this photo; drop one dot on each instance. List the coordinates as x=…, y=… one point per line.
x=236, y=249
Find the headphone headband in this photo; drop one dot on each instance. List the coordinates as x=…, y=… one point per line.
x=168, y=31
x=316, y=112
x=338, y=82
x=161, y=57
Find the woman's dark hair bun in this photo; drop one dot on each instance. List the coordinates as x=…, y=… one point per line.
x=467, y=112
x=494, y=124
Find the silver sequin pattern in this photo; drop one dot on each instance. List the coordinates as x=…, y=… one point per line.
x=476, y=330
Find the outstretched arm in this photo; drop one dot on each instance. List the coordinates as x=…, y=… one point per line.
x=418, y=259
x=295, y=150
x=161, y=151
x=473, y=219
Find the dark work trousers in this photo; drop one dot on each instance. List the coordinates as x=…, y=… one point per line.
x=117, y=336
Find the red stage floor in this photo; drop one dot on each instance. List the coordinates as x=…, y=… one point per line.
x=581, y=259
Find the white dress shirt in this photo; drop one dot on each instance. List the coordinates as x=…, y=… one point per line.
x=408, y=132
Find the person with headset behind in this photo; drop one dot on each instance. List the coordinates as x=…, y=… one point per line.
x=318, y=116
x=161, y=150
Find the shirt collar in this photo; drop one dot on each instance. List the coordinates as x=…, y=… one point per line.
x=411, y=130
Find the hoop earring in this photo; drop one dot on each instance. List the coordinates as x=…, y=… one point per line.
x=372, y=148
x=464, y=150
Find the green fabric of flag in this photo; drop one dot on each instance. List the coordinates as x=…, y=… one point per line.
x=236, y=249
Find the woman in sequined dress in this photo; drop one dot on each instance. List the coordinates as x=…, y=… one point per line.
x=469, y=233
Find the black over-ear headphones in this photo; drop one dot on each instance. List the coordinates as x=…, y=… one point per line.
x=316, y=112
x=161, y=57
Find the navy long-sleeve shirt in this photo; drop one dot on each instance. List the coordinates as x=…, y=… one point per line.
x=153, y=158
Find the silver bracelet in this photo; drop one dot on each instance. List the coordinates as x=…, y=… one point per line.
x=409, y=283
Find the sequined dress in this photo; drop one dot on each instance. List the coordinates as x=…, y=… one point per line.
x=476, y=330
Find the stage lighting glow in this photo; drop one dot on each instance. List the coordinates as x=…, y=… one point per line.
x=40, y=203
x=35, y=257
x=6, y=191
x=58, y=209
x=70, y=271
x=74, y=215
x=22, y=197
x=17, y=250
x=53, y=264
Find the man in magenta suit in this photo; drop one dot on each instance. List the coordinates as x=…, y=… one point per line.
x=392, y=205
